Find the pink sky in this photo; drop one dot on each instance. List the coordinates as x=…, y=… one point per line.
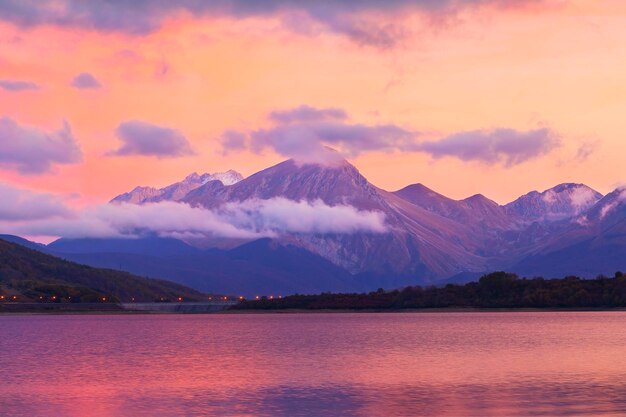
x=532, y=65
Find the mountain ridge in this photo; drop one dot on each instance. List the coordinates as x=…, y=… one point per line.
x=429, y=238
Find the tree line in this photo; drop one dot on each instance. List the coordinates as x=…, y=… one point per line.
x=494, y=290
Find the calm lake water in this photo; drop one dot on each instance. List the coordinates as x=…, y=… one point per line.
x=448, y=364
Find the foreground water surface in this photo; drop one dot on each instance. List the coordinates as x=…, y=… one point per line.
x=446, y=364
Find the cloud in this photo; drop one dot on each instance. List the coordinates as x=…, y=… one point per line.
x=232, y=140
x=586, y=150
x=507, y=146
x=29, y=150
x=247, y=219
x=309, y=142
x=20, y=204
x=309, y=134
x=278, y=215
x=16, y=85
x=325, y=135
x=141, y=138
x=582, y=198
x=620, y=198
x=344, y=17
x=306, y=113
x=85, y=81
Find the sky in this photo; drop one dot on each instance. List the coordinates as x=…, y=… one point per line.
x=464, y=96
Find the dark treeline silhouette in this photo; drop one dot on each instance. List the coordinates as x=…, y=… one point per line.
x=495, y=290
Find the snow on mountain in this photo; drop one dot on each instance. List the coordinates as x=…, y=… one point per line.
x=593, y=243
x=178, y=190
x=561, y=202
x=138, y=195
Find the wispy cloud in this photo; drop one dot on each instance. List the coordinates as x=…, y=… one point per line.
x=507, y=146
x=344, y=17
x=306, y=113
x=20, y=204
x=18, y=85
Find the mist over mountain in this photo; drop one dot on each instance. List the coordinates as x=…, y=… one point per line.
x=422, y=237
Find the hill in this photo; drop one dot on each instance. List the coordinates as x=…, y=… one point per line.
x=259, y=267
x=30, y=275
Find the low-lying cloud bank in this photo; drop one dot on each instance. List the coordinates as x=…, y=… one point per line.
x=247, y=219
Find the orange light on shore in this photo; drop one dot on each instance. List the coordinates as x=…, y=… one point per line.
x=271, y=297
x=14, y=297
x=1, y=297
x=54, y=297
x=104, y=298
x=257, y=297
x=241, y=297
x=210, y=298
x=180, y=299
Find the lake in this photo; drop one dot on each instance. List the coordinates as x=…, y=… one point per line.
x=387, y=364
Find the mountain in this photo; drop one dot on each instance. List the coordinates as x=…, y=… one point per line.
x=428, y=237
x=561, y=202
x=476, y=210
x=30, y=274
x=178, y=190
x=593, y=243
x=259, y=267
x=155, y=246
x=23, y=242
x=418, y=244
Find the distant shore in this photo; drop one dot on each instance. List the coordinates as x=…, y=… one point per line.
x=423, y=311
x=116, y=309
x=113, y=308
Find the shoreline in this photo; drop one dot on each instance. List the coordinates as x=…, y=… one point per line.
x=117, y=310
x=425, y=310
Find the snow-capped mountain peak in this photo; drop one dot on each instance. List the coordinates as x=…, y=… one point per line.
x=178, y=190
x=561, y=202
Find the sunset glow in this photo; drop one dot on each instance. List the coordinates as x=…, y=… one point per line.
x=556, y=65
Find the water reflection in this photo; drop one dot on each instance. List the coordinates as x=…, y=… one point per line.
x=447, y=364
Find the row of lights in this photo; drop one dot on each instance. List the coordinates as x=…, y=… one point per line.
x=179, y=299
x=41, y=297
